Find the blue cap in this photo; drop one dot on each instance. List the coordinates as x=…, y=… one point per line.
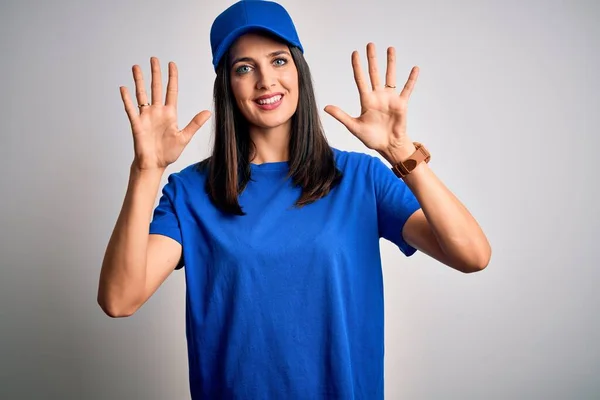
x=249, y=15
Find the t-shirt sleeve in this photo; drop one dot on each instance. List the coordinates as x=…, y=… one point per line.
x=164, y=220
x=395, y=204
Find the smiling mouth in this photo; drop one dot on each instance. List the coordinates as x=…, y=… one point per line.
x=270, y=100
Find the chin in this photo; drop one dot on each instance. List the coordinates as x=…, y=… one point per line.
x=272, y=122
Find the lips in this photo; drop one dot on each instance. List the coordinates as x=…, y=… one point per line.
x=269, y=99
x=269, y=102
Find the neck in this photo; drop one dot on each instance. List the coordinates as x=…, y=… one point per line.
x=271, y=144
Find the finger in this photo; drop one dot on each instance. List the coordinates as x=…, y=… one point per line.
x=172, y=86
x=140, y=90
x=390, y=73
x=196, y=123
x=359, y=76
x=343, y=117
x=156, y=81
x=373, y=72
x=410, y=83
x=130, y=108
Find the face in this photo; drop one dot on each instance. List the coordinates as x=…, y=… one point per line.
x=264, y=80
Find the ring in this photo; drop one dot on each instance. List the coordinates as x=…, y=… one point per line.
x=143, y=105
x=390, y=86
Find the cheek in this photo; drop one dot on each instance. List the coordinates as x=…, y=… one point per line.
x=240, y=90
x=291, y=81
x=241, y=96
x=291, y=84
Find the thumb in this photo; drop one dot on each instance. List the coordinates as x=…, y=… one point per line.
x=195, y=124
x=342, y=116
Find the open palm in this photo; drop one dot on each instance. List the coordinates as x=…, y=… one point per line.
x=382, y=120
x=157, y=140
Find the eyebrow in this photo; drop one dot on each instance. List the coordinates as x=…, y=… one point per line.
x=273, y=54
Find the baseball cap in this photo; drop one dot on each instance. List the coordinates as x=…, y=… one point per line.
x=250, y=15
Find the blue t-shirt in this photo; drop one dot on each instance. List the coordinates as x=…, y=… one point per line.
x=286, y=302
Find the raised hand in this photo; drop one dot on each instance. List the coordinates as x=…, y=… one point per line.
x=157, y=140
x=381, y=125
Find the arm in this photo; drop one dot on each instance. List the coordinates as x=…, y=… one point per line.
x=135, y=263
x=443, y=228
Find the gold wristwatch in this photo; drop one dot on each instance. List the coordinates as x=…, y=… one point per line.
x=405, y=167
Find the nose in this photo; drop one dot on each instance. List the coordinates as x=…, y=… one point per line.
x=266, y=79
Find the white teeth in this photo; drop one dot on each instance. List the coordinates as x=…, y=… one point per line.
x=270, y=100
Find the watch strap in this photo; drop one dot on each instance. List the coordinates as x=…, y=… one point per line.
x=405, y=167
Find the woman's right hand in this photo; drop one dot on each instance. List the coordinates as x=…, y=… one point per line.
x=157, y=140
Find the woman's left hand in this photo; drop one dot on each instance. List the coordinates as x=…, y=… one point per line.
x=381, y=125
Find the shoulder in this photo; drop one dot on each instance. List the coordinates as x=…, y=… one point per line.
x=191, y=173
x=357, y=162
x=369, y=169
x=186, y=181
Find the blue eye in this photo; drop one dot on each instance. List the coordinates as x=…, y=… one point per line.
x=240, y=70
x=284, y=61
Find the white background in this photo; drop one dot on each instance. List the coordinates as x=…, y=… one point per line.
x=507, y=102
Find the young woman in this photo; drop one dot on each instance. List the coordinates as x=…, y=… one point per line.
x=279, y=232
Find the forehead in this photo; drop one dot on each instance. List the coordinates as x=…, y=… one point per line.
x=256, y=44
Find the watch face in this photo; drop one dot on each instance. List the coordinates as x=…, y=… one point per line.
x=410, y=164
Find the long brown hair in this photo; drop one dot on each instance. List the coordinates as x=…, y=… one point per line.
x=311, y=164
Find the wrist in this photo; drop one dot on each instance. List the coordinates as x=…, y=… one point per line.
x=395, y=154
x=137, y=171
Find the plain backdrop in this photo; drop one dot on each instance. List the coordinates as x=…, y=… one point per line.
x=507, y=102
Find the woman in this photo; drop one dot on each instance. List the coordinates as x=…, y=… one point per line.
x=278, y=232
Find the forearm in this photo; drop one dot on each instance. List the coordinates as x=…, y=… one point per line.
x=123, y=273
x=458, y=234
